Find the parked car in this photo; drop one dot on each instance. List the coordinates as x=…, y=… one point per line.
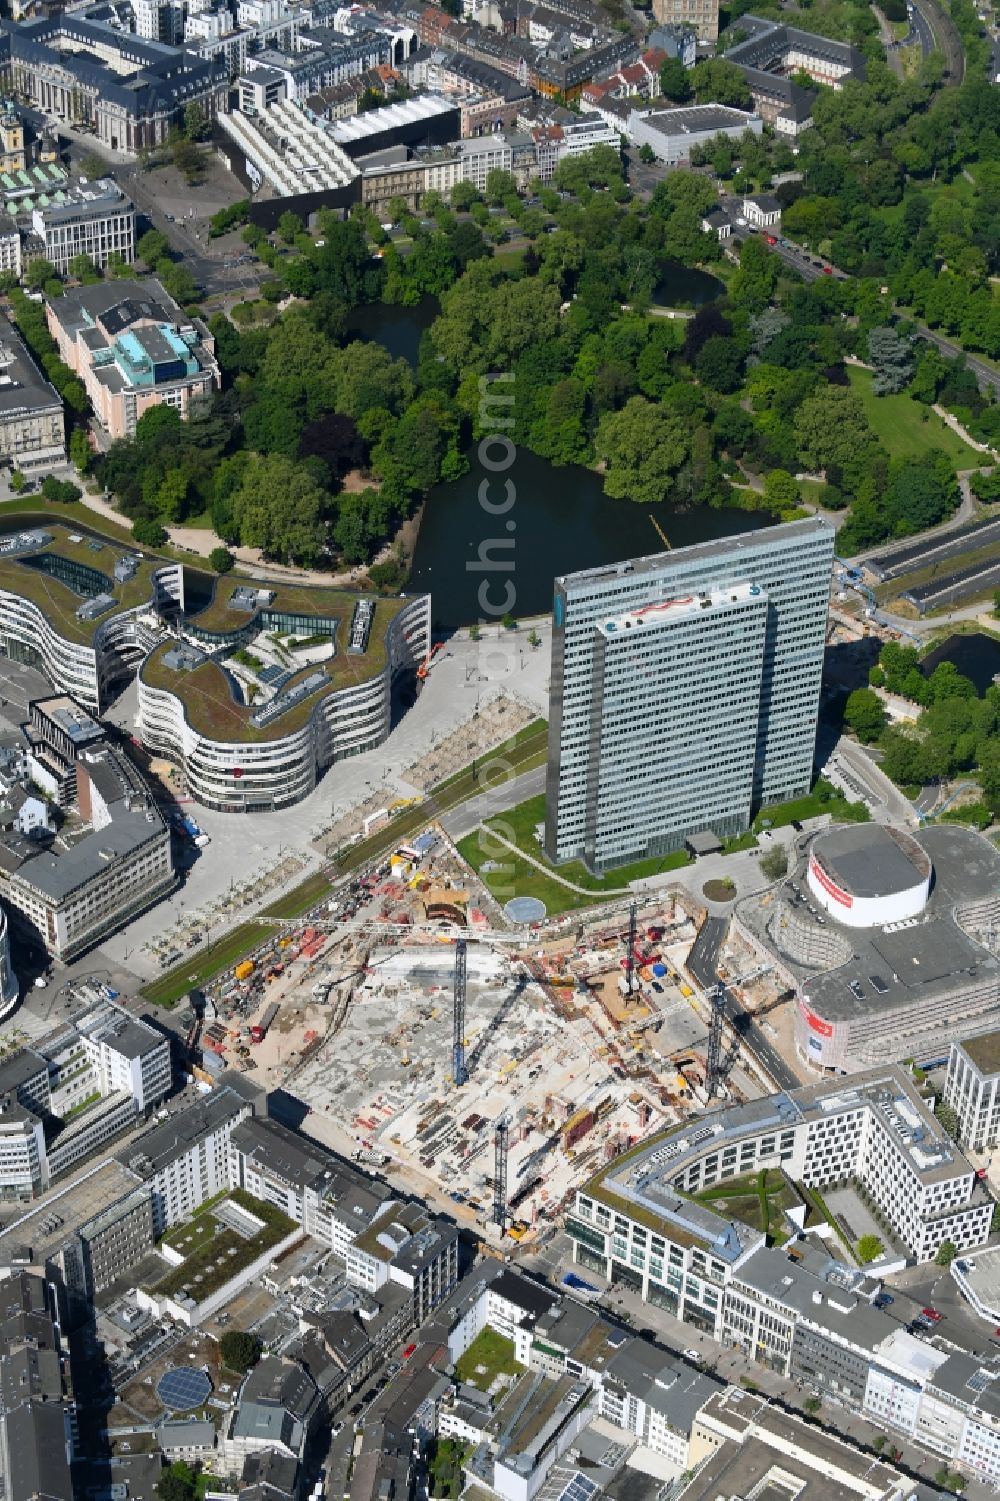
x=932, y=1314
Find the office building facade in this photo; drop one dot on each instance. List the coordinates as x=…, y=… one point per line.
x=684, y=692
x=972, y=1090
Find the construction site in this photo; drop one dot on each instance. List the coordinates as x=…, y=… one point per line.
x=490, y=1070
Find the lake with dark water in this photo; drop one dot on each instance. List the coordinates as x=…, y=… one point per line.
x=399, y=329
x=976, y=657
x=686, y=286
x=562, y=521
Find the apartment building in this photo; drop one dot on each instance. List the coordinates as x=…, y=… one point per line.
x=647, y=655
x=972, y=1090
x=65, y=1098
x=330, y=1198
x=126, y=1055
x=411, y=1247
x=380, y=1239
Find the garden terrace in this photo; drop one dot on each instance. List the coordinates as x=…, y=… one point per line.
x=217, y=1253
x=206, y=691
x=58, y=599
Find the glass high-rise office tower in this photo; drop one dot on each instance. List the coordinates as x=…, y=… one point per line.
x=684, y=691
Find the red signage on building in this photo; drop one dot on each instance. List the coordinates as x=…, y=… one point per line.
x=822, y=1027
x=831, y=889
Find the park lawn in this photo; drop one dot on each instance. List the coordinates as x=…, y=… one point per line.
x=519, y=877
x=492, y=1353
x=824, y=798
x=812, y=491
x=518, y=824
x=897, y=422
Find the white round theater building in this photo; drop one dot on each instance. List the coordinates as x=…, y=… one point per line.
x=867, y=875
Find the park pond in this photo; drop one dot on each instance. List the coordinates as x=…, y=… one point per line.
x=560, y=521
x=976, y=656
x=685, y=286
x=399, y=328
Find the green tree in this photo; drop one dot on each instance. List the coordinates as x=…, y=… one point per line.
x=869, y=1248
x=947, y=1251
x=643, y=447
x=864, y=713
x=92, y=166
x=38, y=273
x=170, y=500
x=148, y=532
x=221, y=559
x=289, y=227
x=188, y=160
x=892, y=356
x=812, y=1406
x=499, y=185
x=177, y=280
x=79, y=449
x=18, y=481
x=177, y=1483
x=279, y=507
x=719, y=364
x=774, y=862
x=831, y=428
x=83, y=269
x=60, y=491
x=675, y=81
x=718, y=82
x=152, y=247
x=781, y=493
x=647, y=154
x=196, y=123
x=240, y=1350
x=463, y=195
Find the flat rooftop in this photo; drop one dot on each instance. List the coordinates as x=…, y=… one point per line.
x=984, y=1051
x=49, y=1223
x=869, y=860
x=928, y=954
x=699, y=117
x=765, y=1440
x=172, y=1138
x=719, y=547
x=23, y=388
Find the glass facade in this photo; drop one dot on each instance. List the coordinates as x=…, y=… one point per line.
x=643, y=671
